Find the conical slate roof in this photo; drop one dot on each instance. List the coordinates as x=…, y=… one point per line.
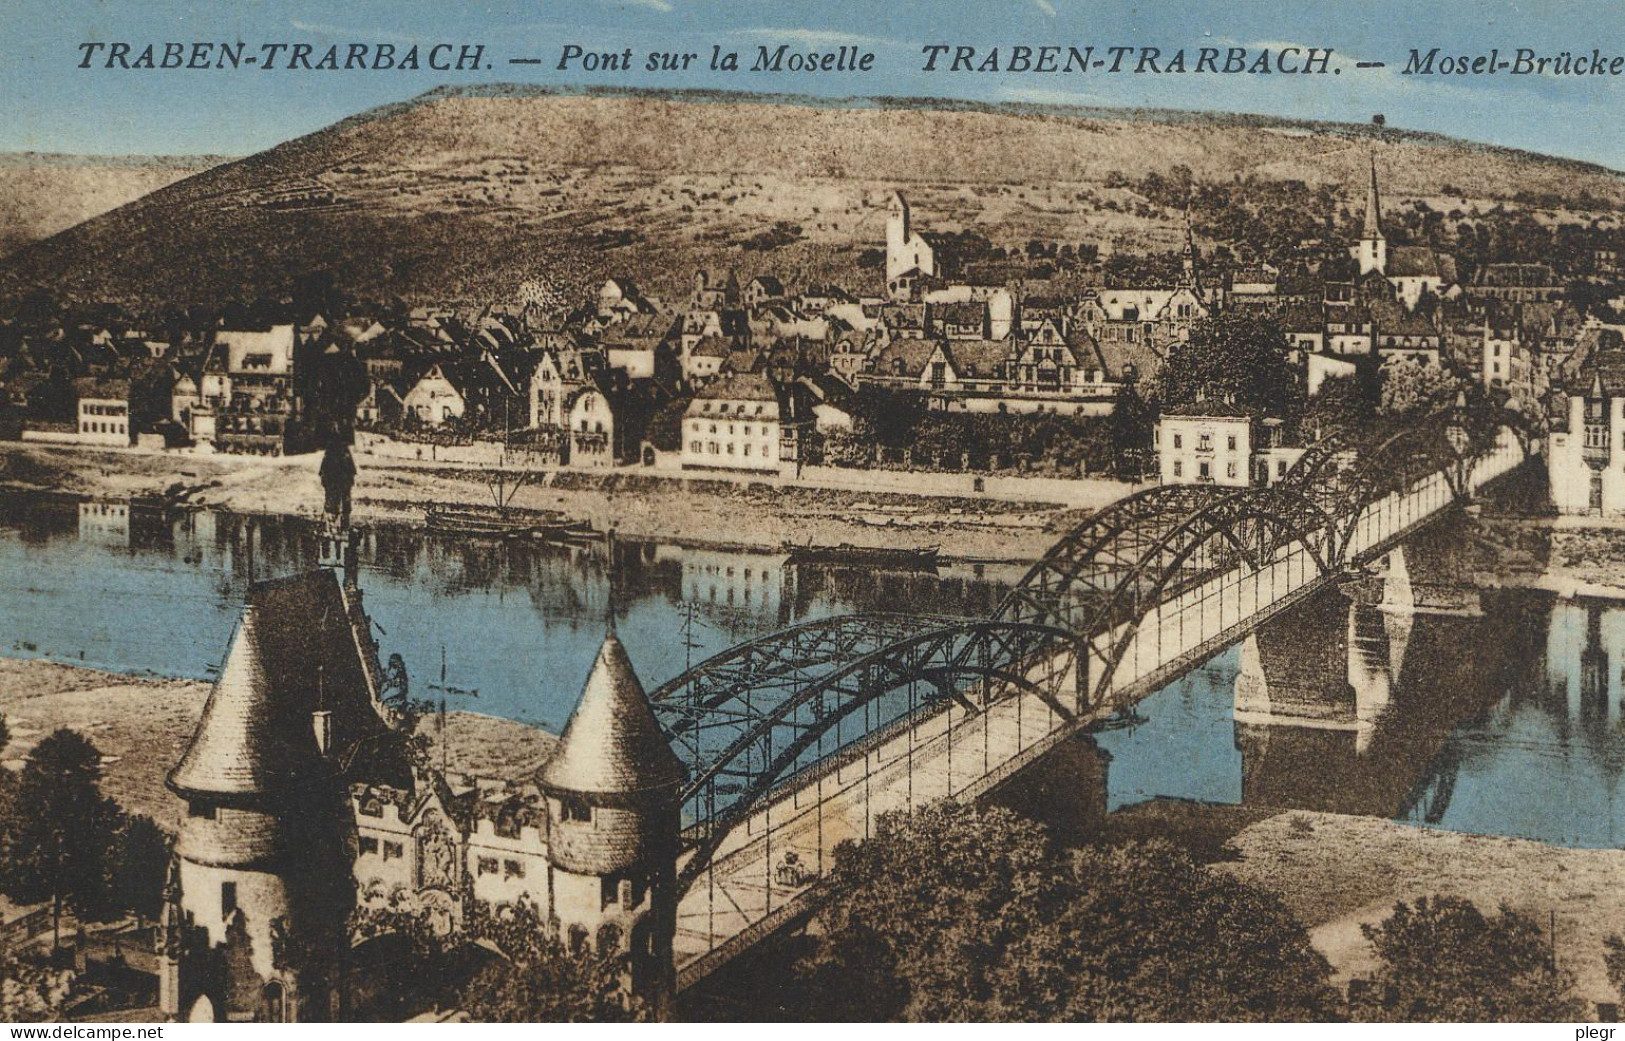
x=297, y=649
x=237, y=748
x=612, y=744
x=1373, y=207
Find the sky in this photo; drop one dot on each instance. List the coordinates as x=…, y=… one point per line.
x=50, y=104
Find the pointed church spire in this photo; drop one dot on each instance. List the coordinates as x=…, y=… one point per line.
x=609, y=598
x=1373, y=205
x=1189, y=256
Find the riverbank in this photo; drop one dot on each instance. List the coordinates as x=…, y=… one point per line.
x=638, y=504
x=1337, y=873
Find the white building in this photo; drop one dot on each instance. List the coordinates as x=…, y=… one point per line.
x=435, y=398
x=1586, y=462
x=909, y=257
x=737, y=422
x=103, y=414
x=1205, y=442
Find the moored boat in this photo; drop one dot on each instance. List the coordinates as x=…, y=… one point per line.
x=897, y=558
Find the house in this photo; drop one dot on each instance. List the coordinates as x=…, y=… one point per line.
x=608, y=418
x=963, y=320
x=902, y=364
x=250, y=400
x=742, y=422
x=102, y=412
x=1504, y=359
x=1254, y=287
x=638, y=346
x=183, y=398
x=380, y=405
x=559, y=373
x=436, y=397
x=761, y=289
x=1320, y=366
x=1205, y=442
x=704, y=359
x=1585, y=460
x=1517, y=283
x=714, y=296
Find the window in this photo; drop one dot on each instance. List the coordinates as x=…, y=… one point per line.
x=1179, y=440
x=513, y=869
x=1205, y=471
x=1204, y=442
x=1179, y=468
x=1231, y=442
x=1230, y=471
x=572, y=808
x=393, y=851
x=747, y=450
x=368, y=845
x=228, y=898
x=488, y=866
x=694, y=447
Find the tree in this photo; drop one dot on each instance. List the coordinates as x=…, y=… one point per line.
x=1131, y=425
x=57, y=844
x=541, y=982
x=1232, y=354
x=955, y=914
x=1613, y=960
x=140, y=867
x=1441, y=960
x=1409, y=386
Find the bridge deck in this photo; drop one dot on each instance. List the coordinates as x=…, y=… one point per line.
x=955, y=752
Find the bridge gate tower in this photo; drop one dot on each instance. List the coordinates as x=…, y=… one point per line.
x=612, y=789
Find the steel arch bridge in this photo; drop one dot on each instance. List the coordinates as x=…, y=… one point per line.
x=774, y=711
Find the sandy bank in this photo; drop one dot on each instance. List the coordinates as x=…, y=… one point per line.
x=694, y=511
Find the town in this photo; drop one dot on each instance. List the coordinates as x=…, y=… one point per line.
x=1189, y=367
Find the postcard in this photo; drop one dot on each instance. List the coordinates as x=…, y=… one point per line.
x=657, y=511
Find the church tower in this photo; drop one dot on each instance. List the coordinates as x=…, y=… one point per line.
x=612, y=788
x=1373, y=247
x=909, y=258
x=1189, y=257
x=259, y=890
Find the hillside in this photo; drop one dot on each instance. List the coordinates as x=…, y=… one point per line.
x=463, y=194
x=41, y=193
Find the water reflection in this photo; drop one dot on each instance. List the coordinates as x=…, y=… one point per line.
x=1505, y=723
x=138, y=590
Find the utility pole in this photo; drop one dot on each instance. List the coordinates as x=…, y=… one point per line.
x=443, y=688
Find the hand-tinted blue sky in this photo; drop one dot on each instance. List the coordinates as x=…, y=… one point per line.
x=51, y=105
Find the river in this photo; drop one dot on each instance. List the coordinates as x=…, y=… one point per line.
x=1508, y=723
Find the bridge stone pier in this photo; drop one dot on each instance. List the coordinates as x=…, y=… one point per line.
x=1295, y=668
x=1431, y=573
x=1067, y=789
